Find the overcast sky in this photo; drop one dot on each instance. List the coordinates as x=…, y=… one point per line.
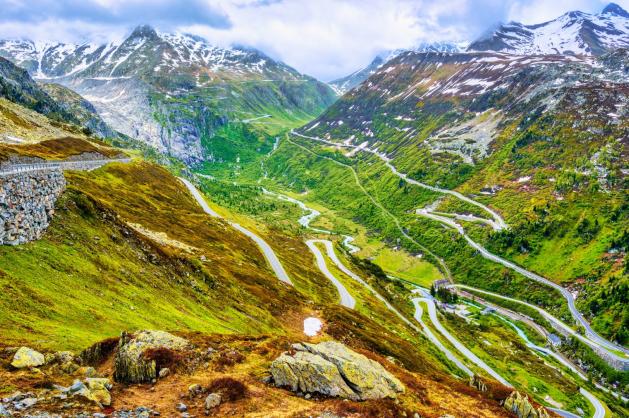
x=324, y=38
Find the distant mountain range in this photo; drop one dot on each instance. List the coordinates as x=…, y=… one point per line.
x=574, y=33
x=344, y=84
x=173, y=91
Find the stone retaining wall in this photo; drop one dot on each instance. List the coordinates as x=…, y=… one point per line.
x=29, y=188
x=27, y=204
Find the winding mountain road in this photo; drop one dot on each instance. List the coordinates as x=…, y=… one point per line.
x=432, y=314
x=497, y=219
x=431, y=336
x=346, y=298
x=558, y=324
x=266, y=249
x=599, y=409
x=498, y=222
x=329, y=247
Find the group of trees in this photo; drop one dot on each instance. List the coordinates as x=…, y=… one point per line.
x=444, y=294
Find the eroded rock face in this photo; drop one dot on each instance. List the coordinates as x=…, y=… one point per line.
x=521, y=406
x=332, y=369
x=131, y=364
x=27, y=357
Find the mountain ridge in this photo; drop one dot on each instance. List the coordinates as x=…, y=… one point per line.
x=573, y=33
x=344, y=84
x=176, y=92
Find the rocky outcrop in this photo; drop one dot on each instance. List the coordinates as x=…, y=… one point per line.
x=332, y=369
x=27, y=357
x=522, y=407
x=478, y=383
x=27, y=204
x=135, y=364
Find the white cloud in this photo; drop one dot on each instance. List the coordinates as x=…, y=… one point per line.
x=324, y=38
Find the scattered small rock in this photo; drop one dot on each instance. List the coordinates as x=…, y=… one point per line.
x=194, y=390
x=522, y=407
x=90, y=372
x=99, y=390
x=164, y=372
x=25, y=403
x=212, y=401
x=181, y=407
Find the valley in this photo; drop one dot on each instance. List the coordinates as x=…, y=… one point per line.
x=190, y=228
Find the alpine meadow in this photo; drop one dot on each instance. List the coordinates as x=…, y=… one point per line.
x=330, y=209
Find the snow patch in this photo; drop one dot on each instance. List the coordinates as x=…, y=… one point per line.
x=312, y=326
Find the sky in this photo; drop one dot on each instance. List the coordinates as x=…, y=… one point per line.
x=324, y=38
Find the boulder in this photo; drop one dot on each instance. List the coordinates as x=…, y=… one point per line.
x=131, y=364
x=194, y=389
x=521, y=406
x=98, y=390
x=332, y=369
x=27, y=357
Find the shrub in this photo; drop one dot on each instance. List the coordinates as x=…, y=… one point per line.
x=230, y=389
x=228, y=359
x=163, y=357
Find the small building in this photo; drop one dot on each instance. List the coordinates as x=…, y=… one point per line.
x=488, y=310
x=554, y=340
x=440, y=283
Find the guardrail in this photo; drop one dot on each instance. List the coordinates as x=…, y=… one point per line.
x=58, y=165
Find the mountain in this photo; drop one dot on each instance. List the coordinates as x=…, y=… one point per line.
x=176, y=92
x=520, y=133
x=574, y=33
x=45, y=110
x=344, y=84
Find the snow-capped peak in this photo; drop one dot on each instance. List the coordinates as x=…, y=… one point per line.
x=342, y=85
x=574, y=33
x=145, y=51
x=614, y=9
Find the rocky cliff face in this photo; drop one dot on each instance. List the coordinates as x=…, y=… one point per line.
x=27, y=204
x=175, y=92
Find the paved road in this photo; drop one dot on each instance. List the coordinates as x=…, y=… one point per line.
x=329, y=247
x=346, y=298
x=599, y=409
x=432, y=314
x=556, y=322
x=267, y=251
x=443, y=265
x=453, y=358
x=58, y=165
x=499, y=223
x=497, y=219
x=593, y=337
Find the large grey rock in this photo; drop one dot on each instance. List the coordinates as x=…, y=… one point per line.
x=332, y=369
x=27, y=357
x=130, y=364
